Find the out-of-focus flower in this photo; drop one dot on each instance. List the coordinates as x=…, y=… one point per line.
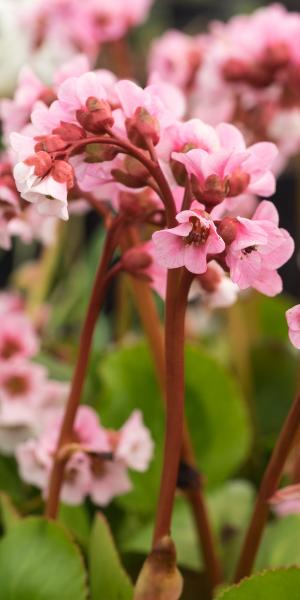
x=286, y=501
x=293, y=319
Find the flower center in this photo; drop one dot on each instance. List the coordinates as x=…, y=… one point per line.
x=16, y=385
x=10, y=348
x=199, y=234
x=248, y=250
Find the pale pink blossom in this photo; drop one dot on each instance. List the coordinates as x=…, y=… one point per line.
x=176, y=57
x=259, y=248
x=189, y=243
x=135, y=445
x=21, y=381
x=18, y=339
x=98, y=458
x=232, y=168
x=214, y=288
x=286, y=501
x=293, y=320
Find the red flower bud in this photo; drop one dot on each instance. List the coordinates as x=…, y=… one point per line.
x=135, y=261
x=210, y=279
x=63, y=173
x=238, y=182
x=142, y=126
x=69, y=132
x=227, y=229
x=212, y=192
x=235, y=70
x=42, y=163
x=96, y=117
x=49, y=143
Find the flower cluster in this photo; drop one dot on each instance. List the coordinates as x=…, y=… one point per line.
x=31, y=408
x=98, y=459
x=84, y=25
x=246, y=71
x=27, y=394
x=109, y=137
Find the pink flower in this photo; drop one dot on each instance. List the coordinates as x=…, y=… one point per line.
x=231, y=169
x=135, y=445
x=18, y=338
x=189, y=243
x=214, y=288
x=286, y=501
x=98, y=461
x=176, y=57
x=259, y=248
x=293, y=319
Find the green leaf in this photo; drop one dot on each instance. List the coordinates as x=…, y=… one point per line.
x=108, y=579
x=275, y=374
x=215, y=411
x=38, y=561
x=229, y=508
x=76, y=520
x=9, y=514
x=217, y=416
x=10, y=480
x=271, y=313
x=283, y=584
x=280, y=546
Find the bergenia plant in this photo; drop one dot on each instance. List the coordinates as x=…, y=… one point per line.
x=174, y=181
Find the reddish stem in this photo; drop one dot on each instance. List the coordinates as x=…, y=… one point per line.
x=269, y=485
x=66, y=432
x=176, y=300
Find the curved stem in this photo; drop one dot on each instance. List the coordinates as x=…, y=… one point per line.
x=269, y=485
x=65, y=436
x=177, y=291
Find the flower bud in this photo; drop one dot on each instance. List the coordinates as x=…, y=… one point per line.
x=69, y=132
x=130, y=181
x=135, y=167
x=41, y=161
x=135, y=261
x=159, y=578
x=96, y=117
x=97, y=153
x=238, y=182
x=63, y=173
x=212, y=192
x=235, y=70
x=142, y=126
x=49, y=143
x=210, y=280
x=227, y=229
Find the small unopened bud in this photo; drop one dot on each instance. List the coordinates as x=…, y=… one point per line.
x=212, y=192
x=235, y=70
x=142, y=127
x=227, y=229
x=41, y=161
x=49, y=143
x=130, y=181
x=159, y=578
x=136, y=261
x=47, y=96
x=69, y=132
x=210, y=280
x=238, y=182
x=135, y=167
x=63, y=173
x=179, y=171
x=97, y=153
x=96, y=117
x=276, y=56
